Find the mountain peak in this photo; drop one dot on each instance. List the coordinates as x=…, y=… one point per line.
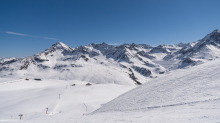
x=61, y=46
x=214, y=36
x=216, y=30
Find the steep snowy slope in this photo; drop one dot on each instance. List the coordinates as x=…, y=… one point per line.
x=201, y=112
x=186, y=95
x=189, y=94
x=96, y=63
x=180, y=87
x=102, y=63
x=198, y=52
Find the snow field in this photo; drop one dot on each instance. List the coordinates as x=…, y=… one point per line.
x=179, y=87
x=31, y=98
x=202, y=112
x=93, y=71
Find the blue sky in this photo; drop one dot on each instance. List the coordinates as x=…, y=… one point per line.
x=28, y=27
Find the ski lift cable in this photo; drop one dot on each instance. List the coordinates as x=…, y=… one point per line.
x=29, y=113
x=51, y=105
x=54, y=101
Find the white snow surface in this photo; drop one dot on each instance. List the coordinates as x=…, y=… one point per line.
x=32, y=97
x=127, y=64
x=185, y=95
x=179, y=87
x=180, y=84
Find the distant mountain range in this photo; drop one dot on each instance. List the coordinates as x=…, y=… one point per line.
x=104, y=63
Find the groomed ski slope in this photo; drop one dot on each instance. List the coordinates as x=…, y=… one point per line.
x=184, y=96
x=184, y=86
x=31, y=98
x=203, y=112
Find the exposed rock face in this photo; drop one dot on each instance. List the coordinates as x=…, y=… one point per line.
x=160, y=49
x=132, y=76
x=26, y=64
x=8, y=62
x=146, y=61
x=142, y=71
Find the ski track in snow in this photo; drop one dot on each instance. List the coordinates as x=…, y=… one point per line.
x=84, y=102
x=74, y=100
x=180, y=84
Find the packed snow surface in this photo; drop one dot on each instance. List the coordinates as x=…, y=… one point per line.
x=179, y=87
x=180, y=83
x=62, y=98
x=186, y=95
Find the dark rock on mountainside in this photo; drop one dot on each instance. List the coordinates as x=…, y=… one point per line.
x=9, y=62
x=132, y=76
x=142, y=71
x=145, y=60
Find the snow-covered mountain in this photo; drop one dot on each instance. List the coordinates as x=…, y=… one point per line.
x=184, y=95
x=188, y=94
x=104, y=63
x=182, y=87
x=197, y=52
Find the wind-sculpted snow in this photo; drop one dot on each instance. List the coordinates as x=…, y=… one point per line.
x=180, y=87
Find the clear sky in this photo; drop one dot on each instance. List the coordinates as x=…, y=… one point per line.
x=28, y=27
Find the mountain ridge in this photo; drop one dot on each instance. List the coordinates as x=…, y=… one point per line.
x=137, y=63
